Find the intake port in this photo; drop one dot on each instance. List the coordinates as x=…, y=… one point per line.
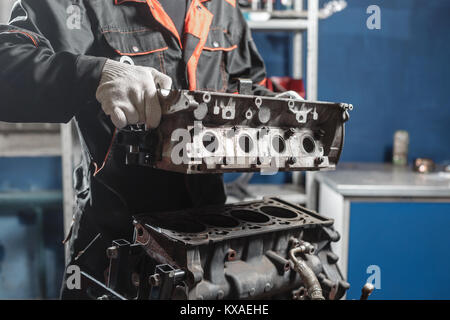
x=279, y=212
x=309, y=145
x=278, y=144
x=246, y=143
x=210, y=142
x=250, y=216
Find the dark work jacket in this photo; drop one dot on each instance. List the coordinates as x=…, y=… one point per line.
x=51, y=58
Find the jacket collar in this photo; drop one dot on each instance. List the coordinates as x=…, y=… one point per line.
x=198, y=22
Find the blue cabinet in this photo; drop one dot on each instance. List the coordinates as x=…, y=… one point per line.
x=407, y=241
x=394, y=226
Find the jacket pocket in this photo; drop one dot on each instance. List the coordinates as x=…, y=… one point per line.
x=142, y=46
x=213, y=60
x=219, y=40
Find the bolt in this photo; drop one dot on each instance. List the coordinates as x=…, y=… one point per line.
x=318, y=161
x=220, y=294
x=289, y=133
x=231, y=255
x=155, y=280
x=262, y=132
x=291, y=161
x=294, y=242
x=112, y=252
x=267, y=287
x=251, y=292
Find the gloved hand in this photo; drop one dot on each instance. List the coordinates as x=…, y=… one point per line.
x=290, y=94
x=128, y=94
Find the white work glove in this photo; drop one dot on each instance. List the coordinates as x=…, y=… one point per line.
x=290, y=95
x=128, y=94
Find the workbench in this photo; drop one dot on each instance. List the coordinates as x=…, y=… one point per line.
x=394, y=225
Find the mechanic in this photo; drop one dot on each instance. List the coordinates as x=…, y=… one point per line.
x=100, y=63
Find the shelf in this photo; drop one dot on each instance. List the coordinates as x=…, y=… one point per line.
x=279, y=25
x=26, y=199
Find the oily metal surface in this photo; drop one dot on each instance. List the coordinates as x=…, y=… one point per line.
x=241, y=251
x=212, y=224
x=210, y=132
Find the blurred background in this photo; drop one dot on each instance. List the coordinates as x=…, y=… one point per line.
x=31, y=207
x=397, y=77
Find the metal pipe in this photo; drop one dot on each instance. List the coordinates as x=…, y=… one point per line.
x=255, y=5
x=313, y=49
x=306, y=274
x=269, y=5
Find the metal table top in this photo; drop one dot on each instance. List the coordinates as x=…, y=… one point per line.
x=385, y=180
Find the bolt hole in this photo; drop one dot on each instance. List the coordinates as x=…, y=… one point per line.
x=206, y=97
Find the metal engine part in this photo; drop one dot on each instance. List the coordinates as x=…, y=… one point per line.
x=209, y=132
x=254, y=250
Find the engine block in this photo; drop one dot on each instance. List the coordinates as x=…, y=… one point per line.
x=210, y=132
x=254, y=250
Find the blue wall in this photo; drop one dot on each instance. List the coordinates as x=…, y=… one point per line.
x=397, y=77
x=30, y=174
